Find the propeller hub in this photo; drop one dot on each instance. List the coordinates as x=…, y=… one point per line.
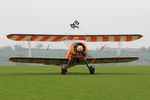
x=80, y=48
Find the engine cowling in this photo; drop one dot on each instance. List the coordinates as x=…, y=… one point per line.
x=78, y=49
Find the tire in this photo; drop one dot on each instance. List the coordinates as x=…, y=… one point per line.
x=92, y=69
x=63, y=69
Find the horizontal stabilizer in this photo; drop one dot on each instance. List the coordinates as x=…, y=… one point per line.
x=88, y=38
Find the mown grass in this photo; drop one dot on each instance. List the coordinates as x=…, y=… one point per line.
x=46, y=83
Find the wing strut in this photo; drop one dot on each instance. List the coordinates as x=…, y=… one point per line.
x=29, y=49
x=119, y=49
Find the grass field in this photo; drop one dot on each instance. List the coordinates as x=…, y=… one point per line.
x=46, y=83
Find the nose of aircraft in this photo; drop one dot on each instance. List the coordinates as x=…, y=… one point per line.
x=79, y=48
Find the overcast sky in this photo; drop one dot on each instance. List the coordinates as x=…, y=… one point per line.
x=95, y=16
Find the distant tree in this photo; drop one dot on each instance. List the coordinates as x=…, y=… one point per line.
x=143, y=49
x=39, y=46
x=148, y=49
x=18, y=47
x=6, y=48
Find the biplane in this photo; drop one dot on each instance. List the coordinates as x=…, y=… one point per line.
x=78, y=50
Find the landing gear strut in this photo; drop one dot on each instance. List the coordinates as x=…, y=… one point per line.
x=64, y=68
x=91, y=67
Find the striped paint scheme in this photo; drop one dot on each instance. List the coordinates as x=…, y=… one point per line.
x=88, y=38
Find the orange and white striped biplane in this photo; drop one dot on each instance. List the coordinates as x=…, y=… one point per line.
x=78, y=50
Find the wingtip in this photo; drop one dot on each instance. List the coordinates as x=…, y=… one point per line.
x=140, y=36
x=9, y=36
x=12, y=59
x=135, y=58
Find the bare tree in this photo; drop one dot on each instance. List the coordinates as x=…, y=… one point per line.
x=39, y=46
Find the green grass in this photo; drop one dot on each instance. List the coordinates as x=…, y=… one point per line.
x=46, y=83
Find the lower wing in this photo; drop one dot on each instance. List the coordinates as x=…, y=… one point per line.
x=111, y=60
x=47, y=61
x=60, y=61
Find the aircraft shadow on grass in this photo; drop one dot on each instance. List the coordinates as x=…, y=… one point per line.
x=71, y=73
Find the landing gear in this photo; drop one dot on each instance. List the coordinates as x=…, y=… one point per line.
x=63, y=69
x=92, y=69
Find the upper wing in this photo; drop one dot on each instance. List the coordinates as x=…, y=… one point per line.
x=88, y=38
x=111, y=60
x=47, y=61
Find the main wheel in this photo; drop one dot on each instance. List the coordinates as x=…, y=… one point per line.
x=63, y=69
x=92, y=69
